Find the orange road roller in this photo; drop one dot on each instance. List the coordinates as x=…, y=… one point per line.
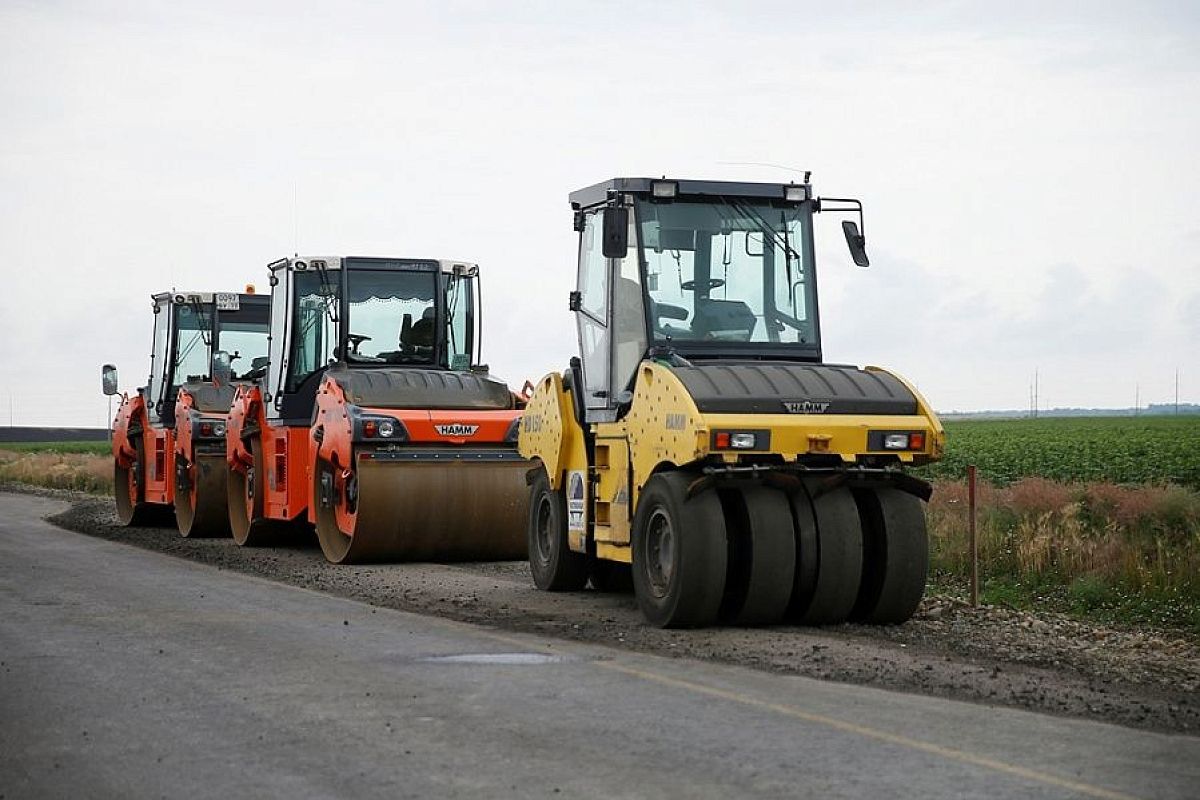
x=169, y=436
x=376, y=421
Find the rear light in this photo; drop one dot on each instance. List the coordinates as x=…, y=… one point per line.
x=387, y=428
x=370, y=428
x=896, y=440
x=206, y=429
x=741, y=440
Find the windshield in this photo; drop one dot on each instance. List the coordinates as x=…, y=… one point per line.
x=243, y=334
x=193, y=338
x=392, y=317
x=728, y=270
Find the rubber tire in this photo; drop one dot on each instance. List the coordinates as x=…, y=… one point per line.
x=895, y=556
x=834, y=590
x=559, y=568
x=762, y=555
x=611, y=577
x=698, y=565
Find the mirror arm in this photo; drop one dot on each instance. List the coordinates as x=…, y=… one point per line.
x=847, y=204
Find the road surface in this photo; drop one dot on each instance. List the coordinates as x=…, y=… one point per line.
x=126, y=673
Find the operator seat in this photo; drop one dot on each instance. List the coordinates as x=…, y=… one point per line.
x=423, y=332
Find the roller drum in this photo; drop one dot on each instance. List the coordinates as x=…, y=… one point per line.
x=453, y=510
x=201, y=504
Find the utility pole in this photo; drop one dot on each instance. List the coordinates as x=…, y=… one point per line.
x=1036, y=391
x=1177, y=391
x=1137, y=398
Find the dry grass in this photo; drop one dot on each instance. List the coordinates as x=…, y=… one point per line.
x=1104, y=545
x=85, y=472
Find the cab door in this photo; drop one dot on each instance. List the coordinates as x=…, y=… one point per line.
x=610, y=318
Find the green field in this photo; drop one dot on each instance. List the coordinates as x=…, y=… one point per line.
x=1159, y=450
x=99, y=448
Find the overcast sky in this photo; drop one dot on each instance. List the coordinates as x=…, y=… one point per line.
x=1030, y=171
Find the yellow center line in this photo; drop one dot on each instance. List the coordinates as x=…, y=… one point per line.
x=871, y=733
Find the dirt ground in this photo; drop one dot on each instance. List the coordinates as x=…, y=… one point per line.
x=997, y=656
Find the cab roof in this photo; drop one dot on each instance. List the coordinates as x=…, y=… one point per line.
x=599, y=193
x=302, y=263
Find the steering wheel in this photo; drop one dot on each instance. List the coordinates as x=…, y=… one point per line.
x=355, y=340
x=713, y=283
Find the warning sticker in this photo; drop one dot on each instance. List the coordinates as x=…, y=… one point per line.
x=575, y=502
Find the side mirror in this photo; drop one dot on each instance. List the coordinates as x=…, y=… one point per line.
x=856, y=242
x=616, y=232
x=222, y=368
x=108, y=379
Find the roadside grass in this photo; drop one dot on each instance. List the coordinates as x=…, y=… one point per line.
x=97, y=448
x=1115, y=554
x=58, y=469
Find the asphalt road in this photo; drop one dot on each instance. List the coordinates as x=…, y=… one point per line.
x=125, y=673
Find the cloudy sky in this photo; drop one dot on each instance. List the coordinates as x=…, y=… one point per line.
x=1031, y=175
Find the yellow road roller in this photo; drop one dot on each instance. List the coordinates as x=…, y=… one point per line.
x=700, y=447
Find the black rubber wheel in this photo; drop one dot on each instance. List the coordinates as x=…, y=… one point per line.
x=555, y=567
x=761, y=555
x=828, y=581
x=679, y=553
x=895, y=556
x=611, y=576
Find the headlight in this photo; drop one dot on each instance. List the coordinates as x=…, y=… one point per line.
x=664, y=190
x=742, y=441
x=382, y=428
x=219, y=429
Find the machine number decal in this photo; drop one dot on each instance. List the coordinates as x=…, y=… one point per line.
x=456, y=429
x=575, y=501
x=676, y=422
x=805, y=407
x=228, y=301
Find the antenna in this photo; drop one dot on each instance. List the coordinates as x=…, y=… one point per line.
x=807, y=172
x=296, y=218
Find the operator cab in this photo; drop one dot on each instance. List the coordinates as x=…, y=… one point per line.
x=694, y=270
x=366, y=313
x=194, y=330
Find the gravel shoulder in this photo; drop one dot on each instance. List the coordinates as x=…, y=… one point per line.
x=1037, y=661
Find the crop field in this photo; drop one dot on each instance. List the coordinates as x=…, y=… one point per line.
x=1124, y=450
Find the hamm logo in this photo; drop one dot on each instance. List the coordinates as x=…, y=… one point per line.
x=805, y=407
x=456, y=429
